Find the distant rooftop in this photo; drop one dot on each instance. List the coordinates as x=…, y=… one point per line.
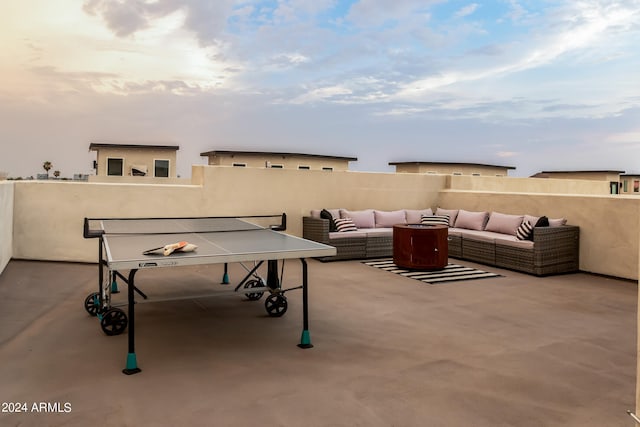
x=450, y=164
x=95, y=145
x=272, y=153
x=545, y=174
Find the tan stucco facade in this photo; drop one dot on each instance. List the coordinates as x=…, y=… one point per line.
x=608, y=176
x=134, y=156
x=6, y=222
x=451, y=169
x=277, y=160
x=608, y=243
x=630, y=184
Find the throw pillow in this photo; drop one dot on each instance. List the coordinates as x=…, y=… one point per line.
x=362, y=219
x=345, y=224
x=503, y=223
x=435, y=220
x=524, y=231
x=453, y=213
x=327, y=215
x=471, y=220
x=557, y=222
x=385, y=219
x=414, y=216
x=543, y=221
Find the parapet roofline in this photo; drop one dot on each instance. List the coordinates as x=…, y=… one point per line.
x=96, y=145
x=450, y=164
x=272, y=153
x=586, y=171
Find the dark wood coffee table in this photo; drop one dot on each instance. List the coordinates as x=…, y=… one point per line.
x=420, y=246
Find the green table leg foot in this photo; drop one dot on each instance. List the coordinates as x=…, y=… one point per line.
x=132, y=365
x=305, y=340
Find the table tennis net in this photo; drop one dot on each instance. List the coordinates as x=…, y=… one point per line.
x=96, y=227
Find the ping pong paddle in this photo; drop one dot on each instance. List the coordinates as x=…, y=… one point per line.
x=173, y=247
x=150, y=251
x=167, y=249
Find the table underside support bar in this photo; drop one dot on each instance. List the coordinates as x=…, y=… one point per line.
x=305, y=339
x=132, y=363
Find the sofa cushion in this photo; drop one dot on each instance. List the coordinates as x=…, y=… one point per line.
x=533, y=220
x=456, y=231
x=514, y=242
x=557, y=222
x=325, y=214
x=482, y=236
x=471, y=220
x=414, y=216
x=315, y=213
x=435, y=220
x=362, y=219
x=348, y=235
x=378, y=232
x=344, y=225
x=453, y=214
x=389, y=218
x=503, y=223
x=543, y=221
x=525, y=231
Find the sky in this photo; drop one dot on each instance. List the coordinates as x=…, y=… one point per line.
x=536, y=85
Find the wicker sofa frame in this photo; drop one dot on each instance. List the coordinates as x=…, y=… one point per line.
x=555, y=250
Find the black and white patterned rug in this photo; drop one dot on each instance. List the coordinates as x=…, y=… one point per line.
x=451, y=273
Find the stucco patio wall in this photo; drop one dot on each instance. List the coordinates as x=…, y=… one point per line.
x=6, y=223
x=609, y=229
x=48, y=215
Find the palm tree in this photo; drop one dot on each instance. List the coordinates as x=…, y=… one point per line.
x=47, y=166
x=56, y=174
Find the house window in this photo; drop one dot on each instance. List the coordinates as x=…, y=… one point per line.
x=625, y=186
x=328, y=169
x=475, y=174
x=636, y=186
x=431, y=172
x=304, y=167
x=239, y=165
x=613, y=186
x=114, y=167
x=276, y=166
x=161, y=168
x=457, y=173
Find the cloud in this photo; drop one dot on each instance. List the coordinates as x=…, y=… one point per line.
x=571, y=30
x=467, y=10
x=373, y=13
x=207, y=19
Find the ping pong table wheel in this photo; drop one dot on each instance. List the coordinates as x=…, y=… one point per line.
x=276, y=305
x=114, y=322
x=92, y=304
x=254, y=283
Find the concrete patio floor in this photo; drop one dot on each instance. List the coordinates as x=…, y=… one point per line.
x=388, y=351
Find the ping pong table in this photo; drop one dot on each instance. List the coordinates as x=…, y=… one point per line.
x=125, y=244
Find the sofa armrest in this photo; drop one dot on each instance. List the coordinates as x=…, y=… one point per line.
x=316, y=229
x=549, y=237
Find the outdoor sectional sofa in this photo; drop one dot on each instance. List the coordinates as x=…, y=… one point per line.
x=485, y=237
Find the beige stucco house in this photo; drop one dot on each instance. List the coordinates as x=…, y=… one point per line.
x=276, y=160
x=135, y=160
x=630, y=184
x=446, y=168
x=611, y=176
